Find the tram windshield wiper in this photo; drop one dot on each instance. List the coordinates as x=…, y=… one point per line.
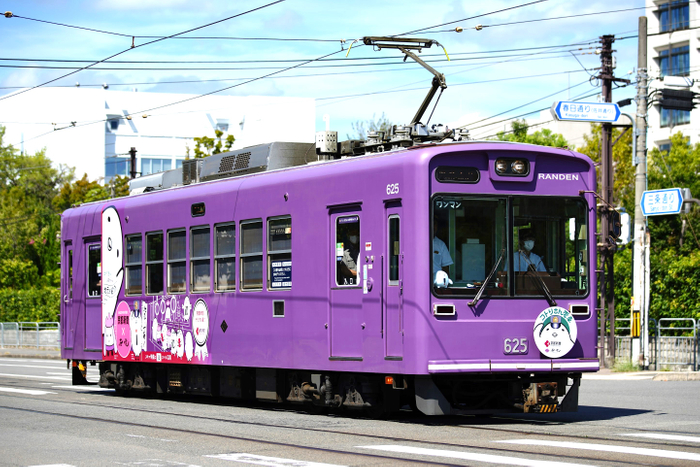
x=543, y=287
x=488, y=279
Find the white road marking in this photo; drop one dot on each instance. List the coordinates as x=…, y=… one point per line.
x=618, y=376
x=690, y=439
x=83, y=387
x=471, y=456
x=53, y=465
x=269, y=461
x=63, y=373
x=43, y=367
x=637, y=451
x=31, y=392
x=57, y=378
x=149, y=437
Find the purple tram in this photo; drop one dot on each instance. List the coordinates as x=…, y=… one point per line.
x=453, y=278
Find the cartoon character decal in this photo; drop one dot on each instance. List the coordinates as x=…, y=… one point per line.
x=112, y=274
x=555, y=332
x=179, y=331
x=200, y=325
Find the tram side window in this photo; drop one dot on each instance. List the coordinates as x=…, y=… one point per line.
x=347, y=250
x=154, y=263
x=251, y=254
x=394, y=249
x=134, y=278
x=200, y=276
x=177, y=252
x=279, y=251
x=225, y=257
x=94, y=270
x=70, y=274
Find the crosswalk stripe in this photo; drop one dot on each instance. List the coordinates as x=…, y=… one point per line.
x=31, y=392
x=664, y=436
x=688, y=456
x=471, y=456
x=269, y=461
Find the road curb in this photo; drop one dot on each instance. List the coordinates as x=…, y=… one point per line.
x=27, y=353
x=694, y=376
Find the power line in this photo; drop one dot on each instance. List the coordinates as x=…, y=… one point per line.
x=519, y=107
x=473, y=17
x=451, y=85
x=344, y=59
x=136, y=36
x=348, y=65
x=145, y=44
x=481, y=26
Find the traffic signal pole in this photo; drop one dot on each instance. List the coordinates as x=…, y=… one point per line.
x=640, y=283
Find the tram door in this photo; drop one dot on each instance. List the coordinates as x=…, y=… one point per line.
x=346, y=286
x=393, y=284
x=67, y=298
x=93, y=302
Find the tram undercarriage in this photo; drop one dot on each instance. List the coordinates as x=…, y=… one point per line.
x=377, y=394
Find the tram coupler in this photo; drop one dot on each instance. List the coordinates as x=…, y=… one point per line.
x=540, y=398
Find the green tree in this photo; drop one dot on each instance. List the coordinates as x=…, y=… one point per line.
x=675, y=251
x=205, y=146
x=361, y=128
x=544, y=137
x=28, y=220
x=623, y=177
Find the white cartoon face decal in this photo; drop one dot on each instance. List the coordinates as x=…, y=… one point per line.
x=189, y=348
x=555, y=332
x=112, y=273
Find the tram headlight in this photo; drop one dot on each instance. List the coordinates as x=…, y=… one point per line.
x=519, y=167
x=501, y=166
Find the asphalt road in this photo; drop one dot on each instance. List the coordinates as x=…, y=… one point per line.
x=623, y=420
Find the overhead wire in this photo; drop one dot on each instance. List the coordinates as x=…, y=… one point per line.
x=137, y=36
x=145, y=44
x=513, y=23
x=473, y=17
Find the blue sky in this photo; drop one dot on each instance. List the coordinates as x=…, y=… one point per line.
x=485, y=77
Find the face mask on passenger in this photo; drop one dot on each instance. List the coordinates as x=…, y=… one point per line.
x=529, y=245
x=352, y=238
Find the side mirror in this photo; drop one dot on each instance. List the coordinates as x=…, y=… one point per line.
x=615, y=224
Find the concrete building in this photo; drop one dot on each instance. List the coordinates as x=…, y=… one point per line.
x=672, y=50
x=88, y=128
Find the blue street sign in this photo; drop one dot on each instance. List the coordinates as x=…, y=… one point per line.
x=662, y=202
x=585, y=112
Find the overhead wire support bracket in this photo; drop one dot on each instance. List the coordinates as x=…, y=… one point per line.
x=406, y=45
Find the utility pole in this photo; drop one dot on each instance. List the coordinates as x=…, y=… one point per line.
x=606, y=245
x=132, y=153
x=640, y=283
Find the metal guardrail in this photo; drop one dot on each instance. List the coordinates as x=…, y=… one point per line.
x=677, y=349
x=31, y=335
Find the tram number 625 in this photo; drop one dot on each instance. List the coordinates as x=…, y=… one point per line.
x=392, y=189
x=515, y=346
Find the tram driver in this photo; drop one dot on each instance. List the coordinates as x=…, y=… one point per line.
x=441, y=260
x=524, y=259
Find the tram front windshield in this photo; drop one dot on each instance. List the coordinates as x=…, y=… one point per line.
x=513, y=239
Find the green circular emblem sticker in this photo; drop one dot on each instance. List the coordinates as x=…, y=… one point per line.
x=555, y=332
